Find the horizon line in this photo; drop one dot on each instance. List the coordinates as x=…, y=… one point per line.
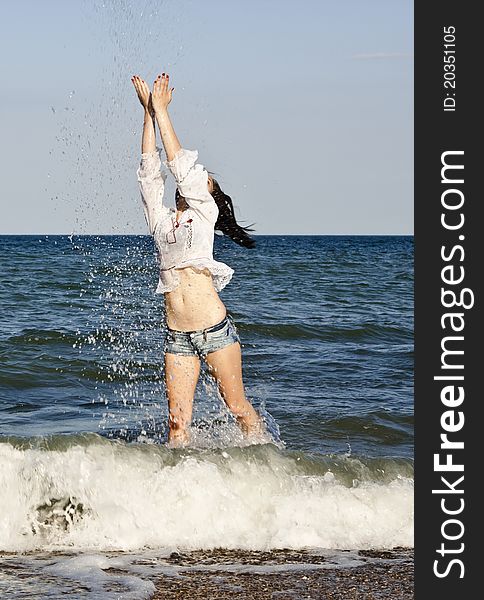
x=216, y=235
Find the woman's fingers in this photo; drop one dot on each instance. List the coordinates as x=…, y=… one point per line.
x=161, y=95
x=162, y=81
x=135, y=83
x=141, y=83
x=142, y=89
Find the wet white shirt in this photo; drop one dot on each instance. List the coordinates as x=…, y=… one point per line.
x=188, y=242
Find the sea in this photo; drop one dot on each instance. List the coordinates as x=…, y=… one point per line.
x=88, y=485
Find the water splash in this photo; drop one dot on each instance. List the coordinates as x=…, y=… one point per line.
x=99, y=128
x=98, y=132
x=83, y=492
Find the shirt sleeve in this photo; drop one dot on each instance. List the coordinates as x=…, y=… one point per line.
x=192, y=182
x=151, y=182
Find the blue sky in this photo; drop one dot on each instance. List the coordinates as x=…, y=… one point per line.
x=303, y=109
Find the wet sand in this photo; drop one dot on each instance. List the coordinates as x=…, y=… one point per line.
x=287, y=575
x=221, y=575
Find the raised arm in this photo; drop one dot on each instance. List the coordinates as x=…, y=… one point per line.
x=148, y=140
x=162, y=94
x=150, y=178
x=192, y=179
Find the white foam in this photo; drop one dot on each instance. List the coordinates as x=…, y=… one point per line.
x=130, y=576
x=134, y=497
x=89, y=570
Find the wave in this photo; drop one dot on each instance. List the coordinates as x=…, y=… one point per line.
x=112, y=335
x=358, y=333
x=86, y=492
x=383, y=427
x=41, y=337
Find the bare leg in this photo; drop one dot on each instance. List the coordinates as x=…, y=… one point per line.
x=226, y=367
x=181, y=374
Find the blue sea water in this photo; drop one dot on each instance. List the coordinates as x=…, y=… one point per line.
x=326, y=325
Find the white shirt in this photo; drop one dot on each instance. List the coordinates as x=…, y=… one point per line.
x=189, y=242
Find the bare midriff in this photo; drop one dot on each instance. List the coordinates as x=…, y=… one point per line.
x=194, y=304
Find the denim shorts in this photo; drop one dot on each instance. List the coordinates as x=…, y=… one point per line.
x=202, y=341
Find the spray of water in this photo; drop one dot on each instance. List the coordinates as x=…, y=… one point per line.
x=97, y=145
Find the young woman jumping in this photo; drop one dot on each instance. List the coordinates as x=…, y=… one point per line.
x=197, y=320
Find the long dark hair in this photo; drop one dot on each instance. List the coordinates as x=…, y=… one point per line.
x=226, y=222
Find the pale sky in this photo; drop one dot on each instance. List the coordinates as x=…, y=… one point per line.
x=304, y=110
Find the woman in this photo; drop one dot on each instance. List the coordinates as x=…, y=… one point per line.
x=196, y=318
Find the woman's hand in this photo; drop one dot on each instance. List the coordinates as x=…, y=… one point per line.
x=144, y=94
x=162, y=93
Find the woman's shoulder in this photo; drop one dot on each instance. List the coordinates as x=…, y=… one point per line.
x=207, y=212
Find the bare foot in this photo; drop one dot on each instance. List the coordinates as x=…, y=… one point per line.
x=178, y=439
x=253, y=429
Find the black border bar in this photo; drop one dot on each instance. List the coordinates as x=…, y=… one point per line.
x=448, y=281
